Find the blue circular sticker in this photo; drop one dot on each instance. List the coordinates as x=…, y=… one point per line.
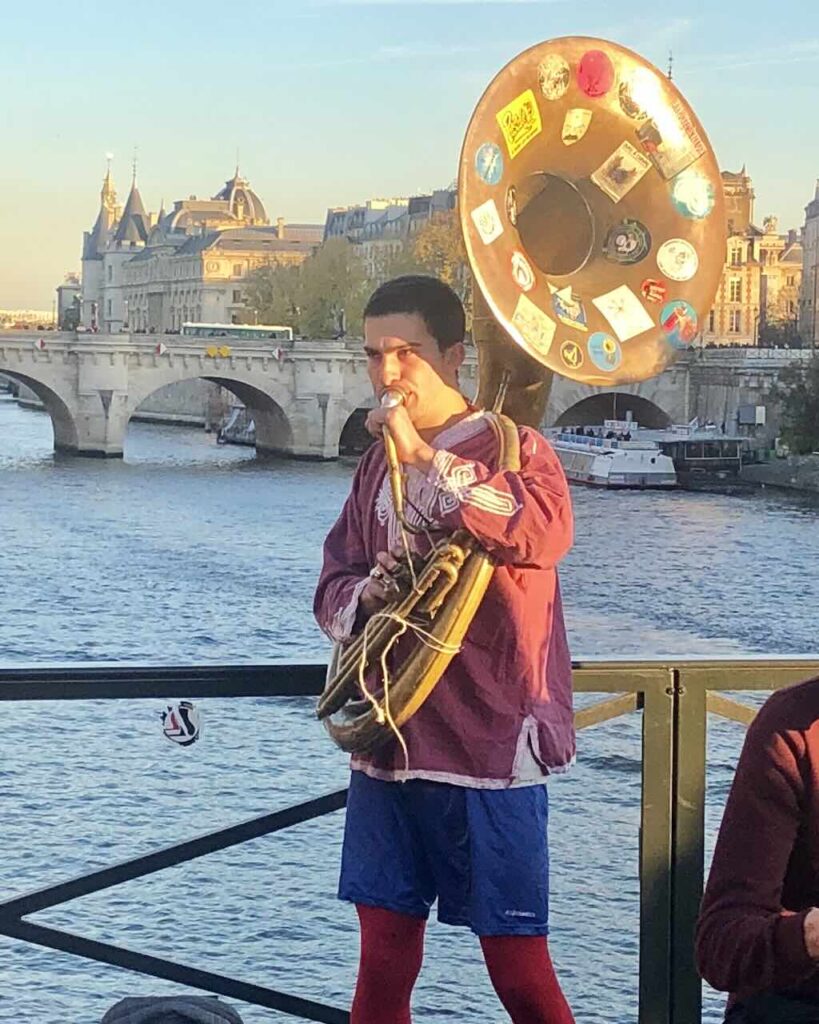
x=489, y=163
x=605, y=351
x=680, y=322
x=692, y=194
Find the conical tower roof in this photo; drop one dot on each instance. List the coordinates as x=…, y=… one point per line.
x=134, y=224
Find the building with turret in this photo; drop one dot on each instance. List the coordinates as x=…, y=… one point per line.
x=759, y=291
x=153, y=272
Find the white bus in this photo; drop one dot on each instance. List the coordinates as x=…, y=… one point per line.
x=254, y=332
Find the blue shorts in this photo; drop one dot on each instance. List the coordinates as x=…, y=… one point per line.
x=483, y=853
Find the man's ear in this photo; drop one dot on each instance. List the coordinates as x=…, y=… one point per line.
x=454, y=356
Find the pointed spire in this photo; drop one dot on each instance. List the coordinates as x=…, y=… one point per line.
x=108, y=194
x=670, y=65
x=133, y=224
x=134, y=167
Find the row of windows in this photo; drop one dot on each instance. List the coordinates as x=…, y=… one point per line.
x=160, y=270
x=735, y=287
x=734, y=321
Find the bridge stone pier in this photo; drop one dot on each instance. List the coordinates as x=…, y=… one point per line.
x=301, y=394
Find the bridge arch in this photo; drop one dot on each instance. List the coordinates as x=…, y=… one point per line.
x=63, y=419
x=614, y=405
x=274, y=431
x=354, y=438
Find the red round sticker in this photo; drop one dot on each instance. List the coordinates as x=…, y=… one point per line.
x=595, y=73
x=653, y=290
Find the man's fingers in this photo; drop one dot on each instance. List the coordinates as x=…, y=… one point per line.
x=387, y=561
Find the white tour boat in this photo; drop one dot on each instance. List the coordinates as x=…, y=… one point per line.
x=610, y=461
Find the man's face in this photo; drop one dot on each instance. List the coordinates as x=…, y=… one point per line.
x=402, y=353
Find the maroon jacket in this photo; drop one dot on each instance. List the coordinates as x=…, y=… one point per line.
x=765, y=873
x=502, y=713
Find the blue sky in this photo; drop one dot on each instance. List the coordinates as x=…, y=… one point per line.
x=333, y=101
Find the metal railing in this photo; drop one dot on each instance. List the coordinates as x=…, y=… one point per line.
x=674, y=697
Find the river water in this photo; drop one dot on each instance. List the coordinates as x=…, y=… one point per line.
x=186, y=552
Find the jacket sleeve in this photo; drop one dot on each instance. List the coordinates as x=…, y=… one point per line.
x=523, y=518
x=746, y=941
x=345, y=568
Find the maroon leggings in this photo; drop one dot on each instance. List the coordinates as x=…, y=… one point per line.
x=392, y=948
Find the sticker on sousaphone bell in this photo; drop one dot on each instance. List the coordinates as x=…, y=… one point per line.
x=553, y=76
x=487, y=220
x=568, y=307
x=624, y=311
x=677, y=259
x=571, y=354
x=692, y=194
x=653, y=290
x=537, y=329
x=618, y=175
x=679, y=320
x=595, y=73
x=522, y=272
x=671, y=141
x=520, y=122
x=627, y=242
x=575, y=125
x=605, y=351
x=512, y=205
x=630, y=93
x=641, y=93
x=489, y=163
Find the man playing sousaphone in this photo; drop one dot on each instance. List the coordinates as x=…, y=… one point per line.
x=455, y=809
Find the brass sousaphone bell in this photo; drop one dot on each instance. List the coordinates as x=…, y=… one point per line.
x=593, y=216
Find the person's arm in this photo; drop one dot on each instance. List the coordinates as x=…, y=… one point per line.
x=344, y=575
x=745, y=940
x=523, y=518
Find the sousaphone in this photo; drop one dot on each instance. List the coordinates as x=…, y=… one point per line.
x=593, y=216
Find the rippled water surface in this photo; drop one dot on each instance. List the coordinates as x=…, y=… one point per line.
x=186, y=552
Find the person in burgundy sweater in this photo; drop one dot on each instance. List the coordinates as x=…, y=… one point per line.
x=758, y=932
x=461, y=815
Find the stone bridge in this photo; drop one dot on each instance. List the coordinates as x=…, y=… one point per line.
x=302, y=394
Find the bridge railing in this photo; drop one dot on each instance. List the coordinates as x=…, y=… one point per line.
x=673, y=696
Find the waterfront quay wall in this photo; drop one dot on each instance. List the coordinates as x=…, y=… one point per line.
x=795, y=473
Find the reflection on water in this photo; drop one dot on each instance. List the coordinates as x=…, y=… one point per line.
x=189, y=552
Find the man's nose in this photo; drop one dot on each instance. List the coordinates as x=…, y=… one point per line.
x=390, y=370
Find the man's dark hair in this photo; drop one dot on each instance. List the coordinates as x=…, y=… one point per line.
x=435, y=302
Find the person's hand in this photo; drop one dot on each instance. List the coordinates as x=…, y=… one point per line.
x=380, y=587
x=410, y=447
x=811, y=929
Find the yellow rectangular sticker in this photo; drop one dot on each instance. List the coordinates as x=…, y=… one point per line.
x=520, y=122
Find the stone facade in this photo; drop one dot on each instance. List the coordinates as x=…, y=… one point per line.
x=761, y=276
x=381, y=228
x=809, y=297
x=152, y=273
